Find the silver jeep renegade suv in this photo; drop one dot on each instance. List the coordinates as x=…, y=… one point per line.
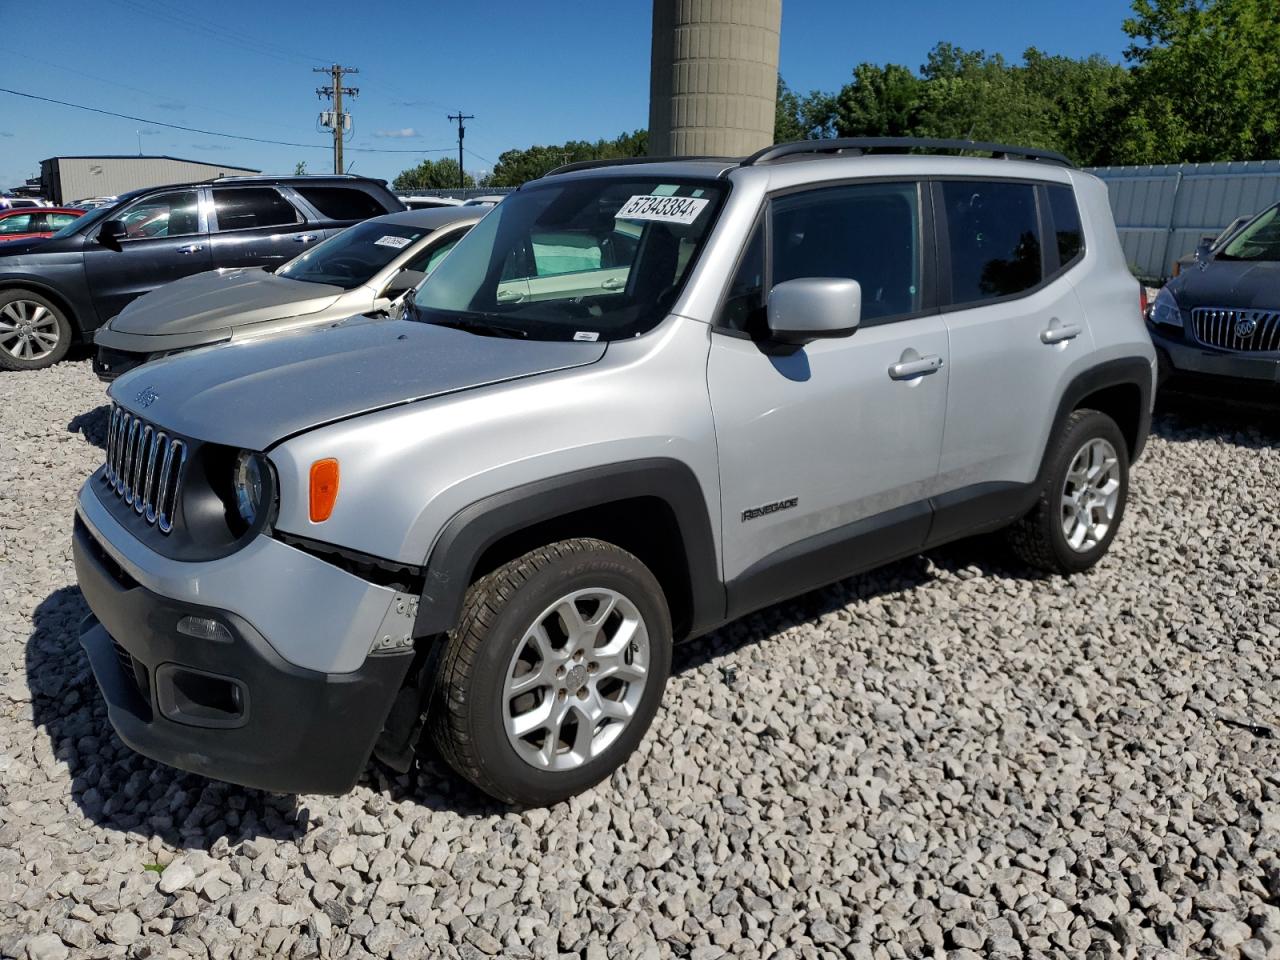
x=637, y=401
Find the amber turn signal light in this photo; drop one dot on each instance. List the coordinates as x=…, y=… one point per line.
x=324, y=489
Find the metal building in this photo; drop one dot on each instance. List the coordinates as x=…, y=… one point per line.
x=1163, y=210
x=713, y=78
x=63, y=179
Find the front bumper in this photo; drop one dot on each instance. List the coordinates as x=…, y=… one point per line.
x=231, y=709
x=1179, y=354
x=109, y=364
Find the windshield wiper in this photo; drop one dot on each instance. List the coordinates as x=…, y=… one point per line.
x=479, y=323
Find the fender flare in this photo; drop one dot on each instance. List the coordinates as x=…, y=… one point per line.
x=475, y=528
x=1121, y=372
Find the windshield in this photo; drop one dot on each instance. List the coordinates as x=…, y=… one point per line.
x=581, y=259
x=80, y=223
x=1260, y=240
x=352, y=257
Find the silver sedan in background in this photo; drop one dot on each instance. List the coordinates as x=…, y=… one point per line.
x=362, y=270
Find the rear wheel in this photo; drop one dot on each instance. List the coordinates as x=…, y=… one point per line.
x=554, y=673
x=1082, y=501
x=33, y=332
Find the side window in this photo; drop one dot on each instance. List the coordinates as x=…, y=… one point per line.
x=744, y=305
x=163, y=215
x=59, y=220
x=994, y=238
x=556, y=253
x=342, y=203
x=1066, y=223
x=437, y=255
x=869, y=233
x=243, y=208
x=20, y=223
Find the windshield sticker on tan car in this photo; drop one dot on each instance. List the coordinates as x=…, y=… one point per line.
x=662, y=209
x=397, y=242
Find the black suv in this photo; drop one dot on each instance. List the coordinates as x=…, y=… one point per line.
x=61, y=289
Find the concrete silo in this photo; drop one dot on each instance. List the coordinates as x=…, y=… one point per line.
x=713, y=76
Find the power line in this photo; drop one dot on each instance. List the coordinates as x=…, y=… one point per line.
x=210, y=133
x=218, y=32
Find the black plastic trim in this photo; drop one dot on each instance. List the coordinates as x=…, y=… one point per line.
x=474, y=529
x=406, y=577
x=1121, y=372
x=980, y=508
x=302, y=732
x=857, y=146
x=830, y=556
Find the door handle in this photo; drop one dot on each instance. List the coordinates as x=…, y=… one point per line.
x=509, y=296
x=613, y=283
x=1060, y=334
x=304, y=237
x=906, y=369
x=191, y=248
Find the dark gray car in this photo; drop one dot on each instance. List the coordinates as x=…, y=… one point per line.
x=361, y=270
x=1221, y=316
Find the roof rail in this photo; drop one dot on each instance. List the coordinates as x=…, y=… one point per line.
x=858, y=146
x=629, y=161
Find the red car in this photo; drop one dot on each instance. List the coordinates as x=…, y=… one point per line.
x=27, y=223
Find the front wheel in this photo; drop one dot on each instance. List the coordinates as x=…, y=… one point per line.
x=34, y=333
x=554, y=673
x=1083, y=498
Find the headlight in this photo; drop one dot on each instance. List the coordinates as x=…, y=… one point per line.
x=249, y=485
x=1165, y=310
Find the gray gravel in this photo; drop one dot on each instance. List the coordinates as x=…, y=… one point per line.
x=945, y=758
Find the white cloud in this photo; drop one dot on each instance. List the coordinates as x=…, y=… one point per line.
x=402, y=132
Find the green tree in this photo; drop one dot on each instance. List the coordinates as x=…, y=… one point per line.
x=801, y=118
x=432, y=175
x=515, y=167
x=879, y=102
x=300, y=168
x=1206, y=81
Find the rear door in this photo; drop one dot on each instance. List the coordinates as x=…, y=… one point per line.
x=1017, y=329
x=256, y=227
x=164, y=240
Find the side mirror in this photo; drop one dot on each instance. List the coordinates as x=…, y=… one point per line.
x=813, y=308
x=110, y=234
x=403, y=282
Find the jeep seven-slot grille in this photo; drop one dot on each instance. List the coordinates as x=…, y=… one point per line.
x=1245, y=331
x=144, y=467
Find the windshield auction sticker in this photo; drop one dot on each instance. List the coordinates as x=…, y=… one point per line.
x=662, y=209
x=397, y=242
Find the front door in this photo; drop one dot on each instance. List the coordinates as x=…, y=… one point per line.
x=829, y=452
x=164, y=240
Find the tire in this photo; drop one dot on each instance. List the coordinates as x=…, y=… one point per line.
x=34, y=333
x=1040, y=539
x=473, y=717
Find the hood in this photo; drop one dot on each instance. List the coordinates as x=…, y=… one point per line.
x=220, y=299
x=1229, y=283
x=255, y=393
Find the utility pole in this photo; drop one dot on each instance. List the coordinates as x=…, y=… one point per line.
x=462, y=132
x=337, y=118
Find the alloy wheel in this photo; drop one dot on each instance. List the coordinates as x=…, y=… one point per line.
x=576, y=679
x=1090, y=495
x=28, y=330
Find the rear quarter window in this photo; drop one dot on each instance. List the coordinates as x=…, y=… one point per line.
x=1066, y=223
x=342, y=203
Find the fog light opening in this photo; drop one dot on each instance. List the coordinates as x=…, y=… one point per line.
x=203, y=628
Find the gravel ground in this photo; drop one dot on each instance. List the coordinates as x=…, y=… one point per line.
x=945, y=758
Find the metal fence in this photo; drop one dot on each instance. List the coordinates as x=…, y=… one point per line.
x=458, y=194
x=1162, y=211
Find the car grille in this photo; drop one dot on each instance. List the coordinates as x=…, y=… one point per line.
x=144, y=467
x=1244, y=331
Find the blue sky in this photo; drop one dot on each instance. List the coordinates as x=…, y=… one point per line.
x=529, y=72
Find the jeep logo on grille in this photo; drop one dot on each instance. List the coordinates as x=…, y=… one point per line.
x=146, y=397
x=1245, y=327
